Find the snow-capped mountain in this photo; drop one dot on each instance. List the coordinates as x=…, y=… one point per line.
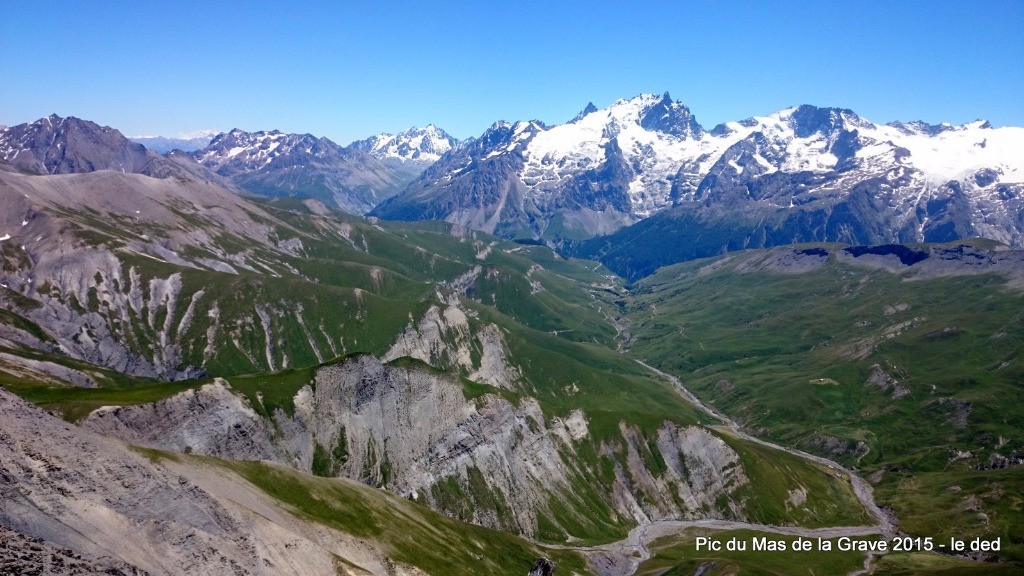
x=476, y=185
x=831, y=140
x=277, y=164
x=825, y=174
x=55, y=145
x=605, y=169
x=611, y=167
x=422, y=146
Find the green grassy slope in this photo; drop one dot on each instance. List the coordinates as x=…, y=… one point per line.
x=406, y=531
x=915, y=383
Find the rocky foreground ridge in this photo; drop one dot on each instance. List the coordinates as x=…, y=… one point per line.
x=118, y=510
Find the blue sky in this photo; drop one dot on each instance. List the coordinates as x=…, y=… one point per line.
x=349, y=70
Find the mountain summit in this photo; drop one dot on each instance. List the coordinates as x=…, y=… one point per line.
x=607, y=168
x=422, y=146
x=55, y=145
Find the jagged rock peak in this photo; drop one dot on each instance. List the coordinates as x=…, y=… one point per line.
x=586, y=110
x=277, y=164
x=54, y=124
x=415, y=145
x=237, y=135
x=507, y=134
x=669, y=116
x=808, y=119
x=249, y=151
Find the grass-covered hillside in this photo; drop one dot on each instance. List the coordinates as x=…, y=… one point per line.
x=912, y=375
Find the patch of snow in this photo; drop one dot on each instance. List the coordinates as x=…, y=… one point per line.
x=958, y=152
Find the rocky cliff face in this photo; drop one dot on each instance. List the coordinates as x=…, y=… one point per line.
x=74, y=502
x=443, y=338
x=489, y=459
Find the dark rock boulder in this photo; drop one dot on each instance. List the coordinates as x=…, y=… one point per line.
x=542, y=567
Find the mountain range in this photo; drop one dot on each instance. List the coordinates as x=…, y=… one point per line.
x=265, y=163
x=637, y=185
x=643, y=176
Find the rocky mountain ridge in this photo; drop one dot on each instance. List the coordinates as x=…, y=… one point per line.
x=76, y=502
x=90, y=494
x=422, y=146
x=834, y=175
x=55, y=145
x=414, y=433
x=275, y=164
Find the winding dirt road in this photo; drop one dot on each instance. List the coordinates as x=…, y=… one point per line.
x=861, y=488
x=623, y=558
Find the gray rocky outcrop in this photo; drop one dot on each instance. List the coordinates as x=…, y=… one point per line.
x=210, y=420
x=21, y=554
x=84, y=278
x=409, y=428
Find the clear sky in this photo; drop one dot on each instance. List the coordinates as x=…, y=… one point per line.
x=349, y=70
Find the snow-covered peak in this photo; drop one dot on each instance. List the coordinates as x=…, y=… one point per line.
x=252, y=151
x=953, y=153
x=415, y=145
x=653, y=134
x=797, y=139
x=817, y=139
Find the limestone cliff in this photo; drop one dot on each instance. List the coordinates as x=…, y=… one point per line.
x=494, y=459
